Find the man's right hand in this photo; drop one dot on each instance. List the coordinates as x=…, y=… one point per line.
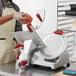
x=23, y=18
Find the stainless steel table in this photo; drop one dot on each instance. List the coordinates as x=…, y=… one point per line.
x=11, y=69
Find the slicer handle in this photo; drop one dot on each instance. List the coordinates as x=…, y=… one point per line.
x=39, y=17
x=29, y=28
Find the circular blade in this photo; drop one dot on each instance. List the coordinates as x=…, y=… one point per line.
x=55, y=46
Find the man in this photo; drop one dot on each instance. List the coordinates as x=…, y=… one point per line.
x=3, y=19
x=9, y=17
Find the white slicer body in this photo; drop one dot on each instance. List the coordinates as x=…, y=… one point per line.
x=54, y=55
x=50, y=52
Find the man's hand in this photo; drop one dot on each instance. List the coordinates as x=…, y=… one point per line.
x=23, y=18
x=26, y=18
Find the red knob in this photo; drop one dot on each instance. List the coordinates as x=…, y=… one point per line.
x=59, y=32
x=23, y=62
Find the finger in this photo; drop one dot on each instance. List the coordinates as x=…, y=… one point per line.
x=28, y=19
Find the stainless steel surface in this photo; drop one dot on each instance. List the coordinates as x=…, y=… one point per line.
x=11, y=69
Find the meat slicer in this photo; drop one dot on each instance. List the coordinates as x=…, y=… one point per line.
x=50, y=52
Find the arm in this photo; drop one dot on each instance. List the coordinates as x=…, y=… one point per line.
x=5, y=19
x=24, y=17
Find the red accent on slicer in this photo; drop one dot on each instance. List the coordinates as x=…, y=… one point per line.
x=39, y=17
x=59, y=32
x=23, y=62
x=29, y=28
x=18, y=46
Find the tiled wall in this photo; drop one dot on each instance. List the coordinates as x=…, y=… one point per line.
x=66, y=22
